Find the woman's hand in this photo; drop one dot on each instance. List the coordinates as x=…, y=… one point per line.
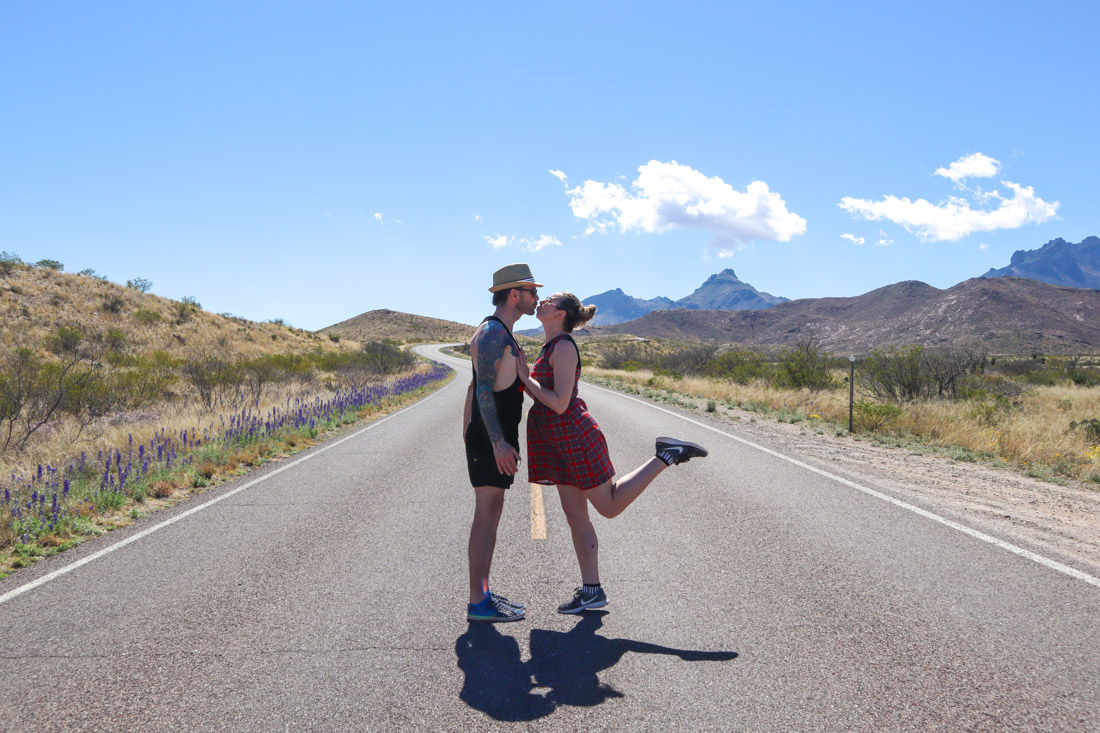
x=522, y=369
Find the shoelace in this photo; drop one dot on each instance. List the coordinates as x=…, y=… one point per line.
x=502, y=599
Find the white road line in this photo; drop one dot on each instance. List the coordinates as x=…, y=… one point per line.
x=538, y=513
x=1046, y=562
x=194, y=510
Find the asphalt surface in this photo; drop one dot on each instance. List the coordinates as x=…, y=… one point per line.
x=746, y=593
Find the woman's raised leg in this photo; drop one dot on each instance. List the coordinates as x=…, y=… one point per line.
x=611, y=498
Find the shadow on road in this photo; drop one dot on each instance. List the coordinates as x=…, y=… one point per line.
x=501, y=685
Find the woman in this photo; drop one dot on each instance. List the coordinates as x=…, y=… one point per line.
x=565, y=445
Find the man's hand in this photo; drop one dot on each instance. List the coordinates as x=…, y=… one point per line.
x=507, y=458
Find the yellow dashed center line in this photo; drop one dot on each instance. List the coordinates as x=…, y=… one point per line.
x=538, y=513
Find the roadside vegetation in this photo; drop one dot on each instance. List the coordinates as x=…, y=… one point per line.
x=1039, y=414
x=114, y=402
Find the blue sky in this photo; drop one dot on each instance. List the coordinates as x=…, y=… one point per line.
x=312, y=161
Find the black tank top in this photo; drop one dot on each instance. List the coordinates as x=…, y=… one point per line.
x=509, y=403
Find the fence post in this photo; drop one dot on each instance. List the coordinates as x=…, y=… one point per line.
x=851, y=389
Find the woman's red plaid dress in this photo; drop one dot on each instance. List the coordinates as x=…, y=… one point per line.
x=568, y=448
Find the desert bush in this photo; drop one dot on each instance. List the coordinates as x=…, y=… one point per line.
x=9, y=262
x=387, y=357
x=690, y=359
x=873, y=416
x=741, y=366
x=140, y=284
x=65, y=340
x=148, y=316
x=804, y=366
x=906, y=373
x=217, y=381
x=112, y=302
x=894, y=375
x=614, y=355
x=183, y=310
x=50, y=265
x=1089, y=428
x=35, y=392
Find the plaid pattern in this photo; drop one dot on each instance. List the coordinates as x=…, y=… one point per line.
x=567, y=448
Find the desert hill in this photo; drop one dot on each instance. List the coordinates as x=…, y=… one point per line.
x=387, y=324
x=1007, y=315
x=36, y=301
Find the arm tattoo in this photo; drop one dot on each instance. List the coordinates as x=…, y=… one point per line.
x=492, y=341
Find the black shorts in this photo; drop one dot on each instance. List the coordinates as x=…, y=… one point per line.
x=481, y=462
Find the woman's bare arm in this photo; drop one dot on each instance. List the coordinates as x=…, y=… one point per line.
x=564, y=364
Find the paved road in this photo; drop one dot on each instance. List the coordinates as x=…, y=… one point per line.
x=747, y=593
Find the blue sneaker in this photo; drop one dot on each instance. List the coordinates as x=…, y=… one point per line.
x=493, y=610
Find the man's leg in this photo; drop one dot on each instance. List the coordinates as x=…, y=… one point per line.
x=483, y=538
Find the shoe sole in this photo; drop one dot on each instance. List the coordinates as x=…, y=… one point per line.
x=590, y=607
x=496, y=619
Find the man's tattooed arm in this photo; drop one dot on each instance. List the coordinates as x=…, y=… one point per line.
x=492, y=340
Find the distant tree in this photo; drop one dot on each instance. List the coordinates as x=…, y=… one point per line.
x=50, y=265
x=140, y=284
x=89, y=272
x=191, y=301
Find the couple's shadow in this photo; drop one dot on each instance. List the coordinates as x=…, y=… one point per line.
x=501, y=685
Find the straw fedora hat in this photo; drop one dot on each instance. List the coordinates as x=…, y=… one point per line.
x=513, y=276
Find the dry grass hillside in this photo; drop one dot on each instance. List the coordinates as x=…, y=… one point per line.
x=35, y=302
x=387, y=324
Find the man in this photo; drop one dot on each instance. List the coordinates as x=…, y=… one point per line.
x=490, y=428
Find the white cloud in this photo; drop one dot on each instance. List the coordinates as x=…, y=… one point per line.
x=378, y=218
x=560, y=176
x=971, y=166
x=477, y=217
x=501, y=240
x=853, y=238
x=670, y=196
x=534, y=245
x=983, y=245
x=883, y=241
x=959, y=216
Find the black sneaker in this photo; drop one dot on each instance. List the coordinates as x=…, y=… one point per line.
x=493, y=610
x=514, y=604
x=673, y=451
x=584, y=601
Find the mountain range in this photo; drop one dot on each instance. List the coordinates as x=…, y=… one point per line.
x=1057, y=262
x=1047, y=300
x=1005, y=314
x=723, y=291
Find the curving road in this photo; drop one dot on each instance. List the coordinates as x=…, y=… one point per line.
x=326, y=592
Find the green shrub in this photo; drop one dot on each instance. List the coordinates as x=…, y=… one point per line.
x=50, y=265
x=804, y=366
x=871, y=416
x=741, y=367
x=9, y=261
x=112, y=302
x=148, y=316
x=1090, y=428
x=140, y=284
